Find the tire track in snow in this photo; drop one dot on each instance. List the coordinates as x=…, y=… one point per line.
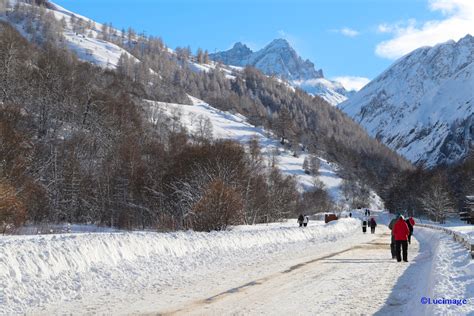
x=243, y=290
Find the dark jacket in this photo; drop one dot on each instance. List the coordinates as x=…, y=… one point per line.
x=410, y=226
x=372, y=223
x=392, y=223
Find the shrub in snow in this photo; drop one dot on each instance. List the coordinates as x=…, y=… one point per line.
x=12, y=210
x=220, y=207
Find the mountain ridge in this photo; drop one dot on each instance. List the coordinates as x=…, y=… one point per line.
x=280, y=59
x=422, y=105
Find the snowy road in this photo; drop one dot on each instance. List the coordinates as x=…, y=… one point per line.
x=354, y=275
x=323, y=272
x=355, y=280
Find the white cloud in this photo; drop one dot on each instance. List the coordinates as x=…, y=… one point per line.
x=396, y=27
x=351, y=82
x=457, y=22
x=348, y=32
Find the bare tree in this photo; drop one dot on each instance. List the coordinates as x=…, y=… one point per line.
x=203, y=128
x=314, y=165
x=436, y=201
x=200, y=56
x=284, y=125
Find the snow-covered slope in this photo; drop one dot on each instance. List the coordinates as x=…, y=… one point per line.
x=280, y=59
x=423, y=105
x=87, y=48
x=331, y=91
x=235, y=127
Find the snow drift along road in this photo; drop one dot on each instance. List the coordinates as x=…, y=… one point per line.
x=38, y=270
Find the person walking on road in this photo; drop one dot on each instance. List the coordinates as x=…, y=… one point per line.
x=305, y=220
x=364, y=226
x=300, y=220
x=372, y=224
x=410, y=222
x=401, y=231
x=392, y=241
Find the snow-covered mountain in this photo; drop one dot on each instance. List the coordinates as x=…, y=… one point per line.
x=277, y=58
x=423, y=105
x=280, y=59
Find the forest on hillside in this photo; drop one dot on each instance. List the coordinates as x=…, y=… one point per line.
x=77, y=145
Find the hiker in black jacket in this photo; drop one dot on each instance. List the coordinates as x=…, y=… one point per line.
x=372, y=225
x=410, y=227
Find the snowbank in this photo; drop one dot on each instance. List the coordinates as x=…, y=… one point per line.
x=451, y=275
x=38, y=270
x=455, y=225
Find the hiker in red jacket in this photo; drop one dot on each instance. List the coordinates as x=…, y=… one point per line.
x=401, y=232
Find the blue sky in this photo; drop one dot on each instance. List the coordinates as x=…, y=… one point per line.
x=345, y=38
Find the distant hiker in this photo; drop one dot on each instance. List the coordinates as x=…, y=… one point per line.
x=305, y=220
x=350, y=214
x=364, y=226
x=410, y=222
x=300, y=220
x=401, y=231
x=372, y=224
x=392, y=241
x=368, y=212
x=365, y=212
